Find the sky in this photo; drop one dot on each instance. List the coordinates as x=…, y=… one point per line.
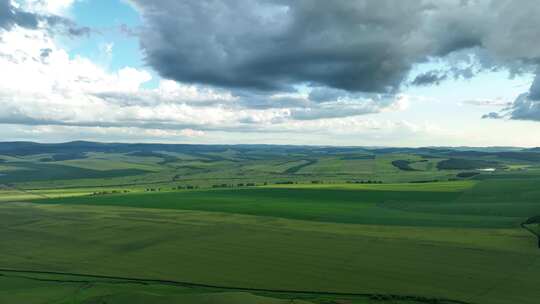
x=304, y=72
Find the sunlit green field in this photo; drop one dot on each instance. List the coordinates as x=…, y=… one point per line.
x=309, y=229
x=363, y=204
x=292, y=238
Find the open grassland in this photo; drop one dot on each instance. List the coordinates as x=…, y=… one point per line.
x=474, y=265
x=455, y=186
x=110, y=223
x=255, y=165
x=359, y=204
x=32, y=287
x=454, y=240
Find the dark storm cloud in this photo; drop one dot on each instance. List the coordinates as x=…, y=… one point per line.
x=429, y=78
x=534, y=91
x=341, y=49
x=525, y=107
x=11, y=16
x=356, y=46
x=323, y=94
x=270, y=45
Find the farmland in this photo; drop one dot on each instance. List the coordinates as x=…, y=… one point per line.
x=108, y=223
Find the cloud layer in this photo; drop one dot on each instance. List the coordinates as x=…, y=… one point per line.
x=263, y=66
x=42, y=84
x=367, y=46
x=36, y=14
x=342, y=46
x=525, y=107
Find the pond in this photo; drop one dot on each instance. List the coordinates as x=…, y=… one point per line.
x=487, y=170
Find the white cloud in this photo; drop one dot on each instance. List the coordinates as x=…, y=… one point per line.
x=51, y=7
x=48, y=93
x=42, y=84
x=497, y=102
x=63, y=90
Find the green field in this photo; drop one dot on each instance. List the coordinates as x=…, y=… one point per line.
x=356, y=204
x=313, y=227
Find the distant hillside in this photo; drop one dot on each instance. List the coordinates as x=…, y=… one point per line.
x=78, y=147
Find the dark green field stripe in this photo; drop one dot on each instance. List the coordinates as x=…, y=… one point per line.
x=297, y=168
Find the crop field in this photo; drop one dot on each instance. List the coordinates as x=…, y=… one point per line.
x=359, y=206
x=261, y=225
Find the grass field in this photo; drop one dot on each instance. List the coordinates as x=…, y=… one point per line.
x=363, y=205
x=314, y=228
x=469, y=264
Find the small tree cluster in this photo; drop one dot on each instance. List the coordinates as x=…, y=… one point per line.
x=188, y=187
x=285, y=183
x=221, y=186
x=246, y=185
x=110, y=192
x=365, y=182
x=533, y=226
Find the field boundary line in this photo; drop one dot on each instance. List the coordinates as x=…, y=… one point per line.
x=235, y=288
